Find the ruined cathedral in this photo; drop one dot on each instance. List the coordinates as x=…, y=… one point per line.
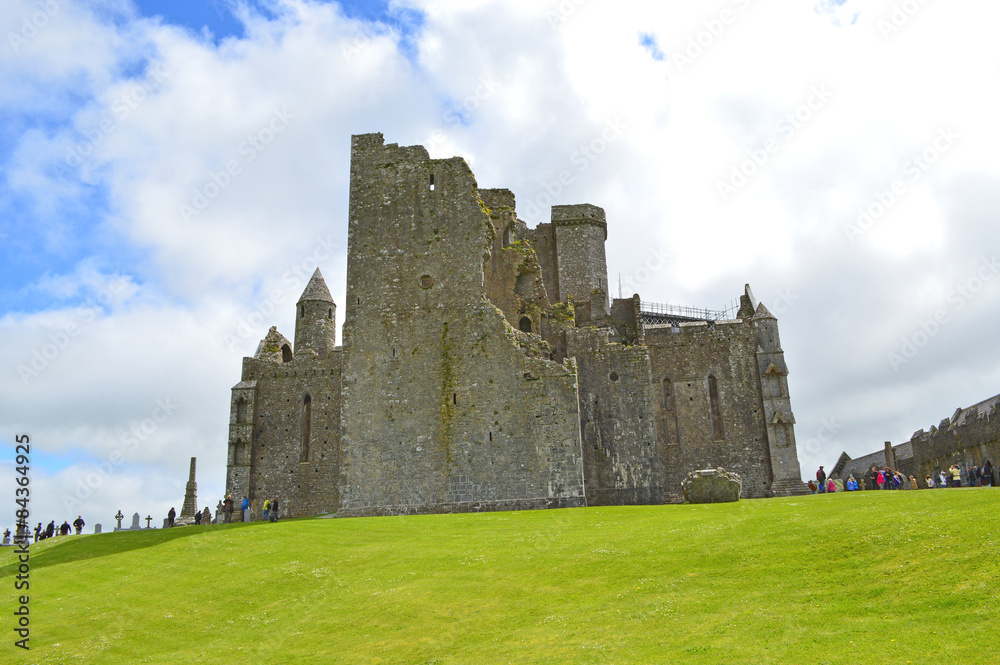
x=483, y=367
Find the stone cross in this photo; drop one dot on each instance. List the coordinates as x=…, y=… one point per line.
x=119, y=517
x=148, y=520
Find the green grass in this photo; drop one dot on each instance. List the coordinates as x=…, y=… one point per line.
x=911, y=576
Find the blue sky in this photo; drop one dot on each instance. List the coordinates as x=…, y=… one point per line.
x=648, y=109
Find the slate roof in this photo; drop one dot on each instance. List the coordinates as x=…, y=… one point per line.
x=316, y=289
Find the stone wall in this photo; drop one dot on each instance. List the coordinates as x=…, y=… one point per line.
x=279, y=465
x=682, y=360
x=621, y=457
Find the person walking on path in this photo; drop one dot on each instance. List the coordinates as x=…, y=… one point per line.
x=170, y=516
x=988, y=474
x=228, y=508
x=244, y=507
x=274, y=509
x=79, y=524
x=267, y=510
x=821, y=479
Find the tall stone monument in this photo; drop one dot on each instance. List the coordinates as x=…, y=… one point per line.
x=190, y=498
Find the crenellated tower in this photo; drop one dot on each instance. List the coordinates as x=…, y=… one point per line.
x=581, y=265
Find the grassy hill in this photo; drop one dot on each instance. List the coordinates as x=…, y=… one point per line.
x=910, y=576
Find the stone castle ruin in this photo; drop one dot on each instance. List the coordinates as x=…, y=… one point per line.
x=482, y=367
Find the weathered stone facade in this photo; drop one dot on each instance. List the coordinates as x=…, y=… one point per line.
x=483, y=368
x=970, y=437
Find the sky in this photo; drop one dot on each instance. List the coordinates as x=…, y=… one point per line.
x=173, y=172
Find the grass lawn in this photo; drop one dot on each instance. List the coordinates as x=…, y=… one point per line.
x=910, y=576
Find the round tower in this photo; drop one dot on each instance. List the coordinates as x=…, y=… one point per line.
x=315, y=318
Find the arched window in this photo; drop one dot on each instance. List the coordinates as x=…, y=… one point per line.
x=714, y=405
x=241, y=410
x=286, y=354
x=306, y=426
x=671, y=433
x=524, y=324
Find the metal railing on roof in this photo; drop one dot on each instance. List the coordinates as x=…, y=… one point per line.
x=653, y=312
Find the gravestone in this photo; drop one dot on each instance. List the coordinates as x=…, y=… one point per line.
x=6, y=538
x=97, y=528
x=711, y=486
x=135, y=523
x=166, y=522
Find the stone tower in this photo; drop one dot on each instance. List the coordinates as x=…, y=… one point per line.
x=315, y=318
x=581, y=265
x=778, y=417
x=442, y=406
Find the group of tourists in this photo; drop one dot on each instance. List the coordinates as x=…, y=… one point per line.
x=887, y=479
x=974, y=476
x=50, y=531
x=248, y=509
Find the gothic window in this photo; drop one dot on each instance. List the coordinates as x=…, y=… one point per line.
x=670, y=430
x=306, y=426
x=713, y=399
x=524, y=324
x=286, y=354
x=241, y=410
